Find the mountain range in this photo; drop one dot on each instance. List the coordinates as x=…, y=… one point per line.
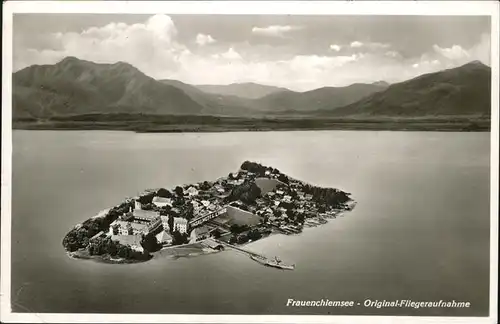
x=78, y=87
x=462, y=91
x=248, y=90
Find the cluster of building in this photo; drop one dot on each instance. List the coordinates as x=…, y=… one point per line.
x=130, y=227
x=275, y=205
x=207, y=198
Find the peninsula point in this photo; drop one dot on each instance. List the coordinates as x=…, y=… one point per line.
x=205, y=217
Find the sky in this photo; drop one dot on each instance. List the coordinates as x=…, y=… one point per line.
x=297, y=52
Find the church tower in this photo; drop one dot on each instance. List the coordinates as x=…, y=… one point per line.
x=138, y=205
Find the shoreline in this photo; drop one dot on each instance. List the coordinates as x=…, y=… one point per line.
x=210, y=124
x=451, y=128
x=184, y=251
x=194, y=249
x=79, y=255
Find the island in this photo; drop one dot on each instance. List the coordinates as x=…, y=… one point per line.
x=206, y=217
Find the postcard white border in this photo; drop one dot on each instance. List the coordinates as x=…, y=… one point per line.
x=466, y=8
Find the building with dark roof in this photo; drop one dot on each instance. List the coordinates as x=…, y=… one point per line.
x=147, y=216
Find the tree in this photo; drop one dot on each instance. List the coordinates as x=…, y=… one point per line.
x=178, y=202
x=165, y=210
x=150, y=243
x=179, y=191
x=179, y=238
x=253, y=167
x=112, y=215
x=242, y=238
x=216, y=233
x=170, y=222
x=123, y=252
x=254, y=234
x=147, y=198
x=246, y=192
x=205, y=185
x=245, y=165
x=162, y=192
x=236, y=229
x=283, y=178
x=187, y=211
x=112, y=249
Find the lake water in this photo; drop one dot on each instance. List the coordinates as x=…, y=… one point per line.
x=420, y=230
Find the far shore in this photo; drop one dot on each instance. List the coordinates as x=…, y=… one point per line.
x=262, y=125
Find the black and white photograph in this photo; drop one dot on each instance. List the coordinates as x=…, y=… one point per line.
x=250, y=162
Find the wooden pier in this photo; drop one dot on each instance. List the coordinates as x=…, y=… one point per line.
x=250, y=253
x=262, y=259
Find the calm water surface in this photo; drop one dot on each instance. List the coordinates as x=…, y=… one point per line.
x=420, y=230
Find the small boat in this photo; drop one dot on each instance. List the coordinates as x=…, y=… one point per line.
x=276, y=263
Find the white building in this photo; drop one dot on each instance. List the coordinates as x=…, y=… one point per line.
x=128, y=228
x=145, y=216
x=236, y=182
x=192, y=191
x=164, y=238
x=180, y=224
x=219, y=188
x=162, y=202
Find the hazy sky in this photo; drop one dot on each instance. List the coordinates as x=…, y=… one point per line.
x=298, y=52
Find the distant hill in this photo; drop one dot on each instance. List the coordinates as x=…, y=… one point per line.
x=381, y=83
x=248, y=90
x=461, y=91
x=322, y=98
x=78, y=87
x=215, y=103
x=75, y=86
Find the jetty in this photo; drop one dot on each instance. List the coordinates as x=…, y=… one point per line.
x=262, y=259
